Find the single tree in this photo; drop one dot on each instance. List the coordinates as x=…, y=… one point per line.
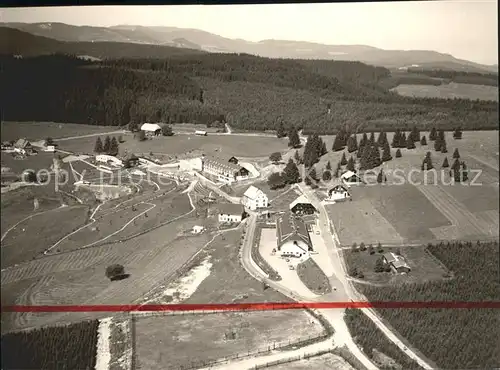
x=364, y=140
x=275, y=157
x=379, y=265
x=328, y=166
x=386, y=153
x=133, y=126
x=280, y=131
x=443, y=148
x=166, y=130
x=291, y=173
x=441, y=135
x=98, y=146
x=456, y=154
x=120, y=139
x=115, y=272
x=380, y=176
x=371, y=250
x=396, y=139
x=457, y=134
x=423, y=140
x=337, y=143
x=438, y=144
x=362, y=247
x=351, y=164
x=354, y=247
x=351, y=144
x=293, y=138
x=276, y=181
x=113, y=147
x=445, y=163
x=343, y=161
x=398, y=153
x=371, y=140
x=409, y=142
x=415, y=134
x=312, y=174
x=327, y=175
x=402, y=140
x=433, y=134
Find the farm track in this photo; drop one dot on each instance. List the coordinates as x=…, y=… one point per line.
x=456, y=213
x=76, y=259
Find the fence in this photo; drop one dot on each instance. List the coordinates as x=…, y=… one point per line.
x=281, y=345
x=293, y=359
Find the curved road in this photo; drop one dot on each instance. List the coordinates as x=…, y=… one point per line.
x=340, y=269
x=333, y=316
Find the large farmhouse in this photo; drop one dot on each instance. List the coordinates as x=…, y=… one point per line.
x=224, y=170
x=339, y=192
x=23, y=146
x=230, y=213
x=292, y=236
x=396, y=263
x=302, y=206
x=350, y=178
x=254, y=198
x=151, y=129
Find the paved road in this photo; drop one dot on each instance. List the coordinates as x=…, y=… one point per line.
x=333, y=316
x=340, y=270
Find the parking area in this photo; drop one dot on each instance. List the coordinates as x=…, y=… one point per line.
x=290, y=279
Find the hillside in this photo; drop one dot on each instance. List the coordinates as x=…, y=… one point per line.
x=15, y=42
x=248, y=92
x=202, y=40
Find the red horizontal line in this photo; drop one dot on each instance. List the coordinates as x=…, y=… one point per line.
x=250, y=306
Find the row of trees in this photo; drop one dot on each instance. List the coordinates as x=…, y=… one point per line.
x=110, y=146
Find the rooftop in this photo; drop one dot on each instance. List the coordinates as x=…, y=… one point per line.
x=300, y=200
x=230, y=209
x=252, y=192
x=290, y=227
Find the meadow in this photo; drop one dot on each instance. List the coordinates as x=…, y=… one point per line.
x=451, y=90
x=216, y=145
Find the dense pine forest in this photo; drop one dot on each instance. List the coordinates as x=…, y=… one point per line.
x=63, y=347
x=453, y=338
x=248, y=92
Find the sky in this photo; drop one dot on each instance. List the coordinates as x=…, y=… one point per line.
x=464, y=29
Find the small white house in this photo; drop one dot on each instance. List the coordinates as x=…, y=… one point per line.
x=200, y=133
x=254, y=198
x=151, y=129
x=50, y=148
x=197, y=229
x=339, y=193
x=230, y=213
x=350, y=178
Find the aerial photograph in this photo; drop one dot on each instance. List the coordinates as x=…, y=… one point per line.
x=261, y=186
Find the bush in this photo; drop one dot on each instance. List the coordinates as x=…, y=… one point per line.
x=115, y=272
x=362, y=247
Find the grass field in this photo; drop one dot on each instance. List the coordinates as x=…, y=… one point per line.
x=37, y=162
x=31, y=237
x=174, y=341
x=218, y=145
x=78, y=277
x=452, y=90
x=40, y=130
x=313, y=277
x=424, y=266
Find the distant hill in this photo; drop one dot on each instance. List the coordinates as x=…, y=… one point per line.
x=202, y=40
x=15, y=42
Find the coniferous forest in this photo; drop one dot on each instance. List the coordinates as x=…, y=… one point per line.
x=248, y=92
x=455, y=338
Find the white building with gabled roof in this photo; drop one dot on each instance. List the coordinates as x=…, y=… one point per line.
x=254, y=198
x=350, y=178
x=151, y=128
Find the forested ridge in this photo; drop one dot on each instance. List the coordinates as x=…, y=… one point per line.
x=453, y=338
x=246, y=91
